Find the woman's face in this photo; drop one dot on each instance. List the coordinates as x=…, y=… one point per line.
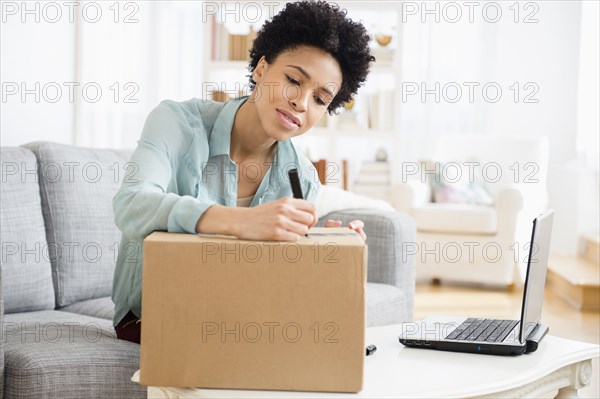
x=293, y=92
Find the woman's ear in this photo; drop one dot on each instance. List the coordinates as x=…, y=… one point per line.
x=259, y=70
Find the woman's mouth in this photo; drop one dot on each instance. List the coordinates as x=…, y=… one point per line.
x=285, y=121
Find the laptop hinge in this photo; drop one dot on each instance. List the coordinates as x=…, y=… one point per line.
x=535, y=337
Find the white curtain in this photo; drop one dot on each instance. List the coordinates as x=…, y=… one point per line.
x=588, y=100
x=148, y=52
x=530, y=53
x=444, y=66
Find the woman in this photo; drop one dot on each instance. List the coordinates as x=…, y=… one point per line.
x=208, y=167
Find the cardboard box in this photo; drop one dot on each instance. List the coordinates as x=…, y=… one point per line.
x=218, y=312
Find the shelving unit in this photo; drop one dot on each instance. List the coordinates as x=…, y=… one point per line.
x=333, y=138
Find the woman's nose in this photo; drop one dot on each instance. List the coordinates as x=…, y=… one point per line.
x=300, y=100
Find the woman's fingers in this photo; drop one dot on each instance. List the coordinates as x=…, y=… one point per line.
x=300, y=215
x=357, y=225
x=361, y=233
x=333, y=223
x=304, y=211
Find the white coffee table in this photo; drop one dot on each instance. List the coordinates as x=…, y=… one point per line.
x=559, y=367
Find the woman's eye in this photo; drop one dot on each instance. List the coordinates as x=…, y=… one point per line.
x=320, y=102
x=292, y=80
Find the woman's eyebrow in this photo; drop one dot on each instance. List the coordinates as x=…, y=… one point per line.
x=302, y=71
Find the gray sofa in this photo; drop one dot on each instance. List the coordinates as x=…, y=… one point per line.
x=59, y=245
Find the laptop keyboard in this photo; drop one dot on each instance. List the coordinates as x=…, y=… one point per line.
x=488, y=330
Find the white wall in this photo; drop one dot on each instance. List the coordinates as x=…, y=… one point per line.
x=146, y=51
x=35, y=52
x=156, y=57
x=543, y=53
x=574, y=185
x=574, y=196
x=547, y=54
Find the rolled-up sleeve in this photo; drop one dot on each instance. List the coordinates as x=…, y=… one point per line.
x=143, y=203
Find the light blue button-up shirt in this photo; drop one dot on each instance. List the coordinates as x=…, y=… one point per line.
x=179, y=169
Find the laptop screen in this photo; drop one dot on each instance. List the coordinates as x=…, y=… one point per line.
x=535, y=280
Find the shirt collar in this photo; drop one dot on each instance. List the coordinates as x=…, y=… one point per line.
x=220, y=144
x=277, y=183
x=220, y=137
x=287, y=158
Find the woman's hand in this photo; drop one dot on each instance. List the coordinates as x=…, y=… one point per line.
x=285, y=219
x=356, y=225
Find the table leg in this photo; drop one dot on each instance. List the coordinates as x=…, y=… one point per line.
x=581, y=376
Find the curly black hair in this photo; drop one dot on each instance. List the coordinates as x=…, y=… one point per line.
x=322, y=25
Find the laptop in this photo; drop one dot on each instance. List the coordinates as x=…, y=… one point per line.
x=491, y=336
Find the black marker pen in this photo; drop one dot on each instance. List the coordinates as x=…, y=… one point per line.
x=295, y=182
x=296, y=188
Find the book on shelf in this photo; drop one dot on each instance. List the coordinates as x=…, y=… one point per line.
x=381, y=110
x=369, y=111
x=239, y=46
x=373, y=179
x=375, y=167
x=347, y=120
x=230, y=47
x=383, y=55
x=353, y=116
x=369, y=179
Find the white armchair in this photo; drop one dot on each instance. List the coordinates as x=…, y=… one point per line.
x=469, y=242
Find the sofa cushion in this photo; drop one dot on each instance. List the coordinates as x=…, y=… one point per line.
x=384, y=305
x=53, y=354
x=456, y=182
x=27, y=279
x=103, y=308
x=77, y=186
x=456, y=218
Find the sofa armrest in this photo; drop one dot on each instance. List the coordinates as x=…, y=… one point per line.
x=390, y=260
x=332, y=199
x=509, y=200
x=406, y=196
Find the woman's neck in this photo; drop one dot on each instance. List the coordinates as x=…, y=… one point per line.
x=248, y=139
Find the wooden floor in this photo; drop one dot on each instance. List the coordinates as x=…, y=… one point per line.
x=563, y=320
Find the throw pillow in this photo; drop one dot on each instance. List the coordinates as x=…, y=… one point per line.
x=456, y=182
